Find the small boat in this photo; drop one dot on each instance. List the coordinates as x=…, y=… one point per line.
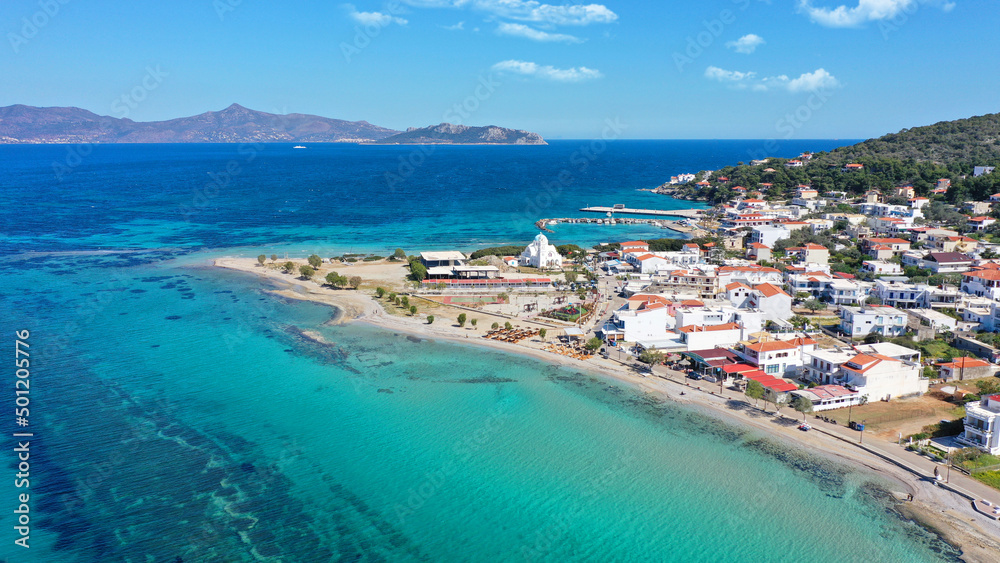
x=298, y=147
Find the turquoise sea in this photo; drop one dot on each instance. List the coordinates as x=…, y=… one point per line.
x=179, y=414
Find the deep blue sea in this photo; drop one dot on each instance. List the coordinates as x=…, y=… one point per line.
x=179, y=414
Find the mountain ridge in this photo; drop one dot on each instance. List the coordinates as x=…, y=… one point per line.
x=23, y=124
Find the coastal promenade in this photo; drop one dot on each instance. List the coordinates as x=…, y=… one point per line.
x=689, y=213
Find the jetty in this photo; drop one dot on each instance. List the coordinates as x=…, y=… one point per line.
x=688, y=213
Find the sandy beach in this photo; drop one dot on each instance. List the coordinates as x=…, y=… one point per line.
x=944, y=511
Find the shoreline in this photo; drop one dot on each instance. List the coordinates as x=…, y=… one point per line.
x=939, y=510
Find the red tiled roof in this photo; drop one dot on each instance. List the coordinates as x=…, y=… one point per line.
x=769, y=290
x=738, y=368
x=961, y=363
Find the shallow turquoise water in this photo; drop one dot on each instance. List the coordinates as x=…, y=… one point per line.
x=180, y=413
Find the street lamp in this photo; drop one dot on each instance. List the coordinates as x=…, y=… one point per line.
x=861, y=437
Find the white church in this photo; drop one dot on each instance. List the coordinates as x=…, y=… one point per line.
x=540, y=254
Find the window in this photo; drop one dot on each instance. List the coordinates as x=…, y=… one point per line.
x=773, y=368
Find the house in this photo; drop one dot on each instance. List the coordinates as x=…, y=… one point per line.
x=905, y=191
x=750, y=275
x=820, y=225
x=647, y=263
x=810, y=253
x=981, y=427
x=880, y=377
x=858, y=322
x=697, y=337
x=896, y=245
x=768, y=235
x=712, y=361
x=942, y=184
x=702, y=280
x=643, y=319
x=636, y=246
x=758, y=252
x=995, y=198
x=982, y=281
x=540, y=254
x=881, y=267
x=965, y=368
x=978, y=171
x=750, y=320
x=512, y=261
x=806, y=192
x=910, y=296
x=946, y=262
x=852, y=167
x=777, y=358
x=977, y=207
x=829, y=397
x=769, y=299
x=751, y=220
x=980, y=223
x=823, y=364
x=794, y=164
x=954, y=243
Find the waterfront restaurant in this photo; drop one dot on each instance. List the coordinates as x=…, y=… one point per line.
x=711, y=361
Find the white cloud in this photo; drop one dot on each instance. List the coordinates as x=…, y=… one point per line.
x=529, y=10
x=722, y=75
x=746, y=44
x=574, y=74
x=372, y=18
x=521, y=30
x=818, y=79
x=866, y=11
x=457, y=27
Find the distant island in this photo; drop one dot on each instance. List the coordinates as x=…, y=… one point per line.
x=449, y=134
x=21, y=124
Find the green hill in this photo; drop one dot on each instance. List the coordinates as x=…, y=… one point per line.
x=974, y=141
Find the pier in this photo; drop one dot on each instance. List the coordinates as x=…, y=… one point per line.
x=688, y=213
x=543, y=224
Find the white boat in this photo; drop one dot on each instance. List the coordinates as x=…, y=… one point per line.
x=298, y=147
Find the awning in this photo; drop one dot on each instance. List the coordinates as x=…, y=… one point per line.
x=737, y=368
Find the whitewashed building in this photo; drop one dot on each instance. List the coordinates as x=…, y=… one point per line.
x=540, y=254
x=982, y=425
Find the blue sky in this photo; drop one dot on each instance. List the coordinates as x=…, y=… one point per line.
x=708, y=69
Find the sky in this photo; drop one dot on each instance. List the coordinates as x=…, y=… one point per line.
x=713, y=69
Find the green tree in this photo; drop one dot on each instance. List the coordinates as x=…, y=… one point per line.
x=399, y=254
x=542, y=333
x=461, y=319
x=335, y=279
x=473, y=322
x=274, y=258
x=594, y=343
x=755, y=391
x=570, y=276
x=430, y=319
x=651, y=357
x=261, y=259
x=315, y=261
x=289, y=267
x=803, y=405
x=380, y=292
x=990, y=386
x=507, y=325
x=503, y=297
x=815, y=305
x=413, y=310
x=798, y=321
x=494, y=326
x=405, y=301
x=418, y=271
x=307, y=271
x=392, y=297
x=355, y=282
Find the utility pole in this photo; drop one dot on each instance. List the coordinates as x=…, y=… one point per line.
x=861, y=437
